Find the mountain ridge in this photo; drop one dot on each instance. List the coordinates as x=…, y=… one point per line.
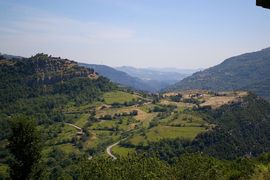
x=249, y=71
x=120, y=77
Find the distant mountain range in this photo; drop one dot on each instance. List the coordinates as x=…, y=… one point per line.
x=157, y=78
x=249, y=71
x=119, y=77
x=140, y=79
x=171, y=69
x=61, y=95
x=143, y=79
x=9, y=57
x=166, y=75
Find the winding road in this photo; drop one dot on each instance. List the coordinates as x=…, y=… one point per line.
x=109, y=150
x=78, y=128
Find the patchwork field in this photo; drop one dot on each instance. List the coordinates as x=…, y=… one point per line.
x=206, y=98
x=104, y=124
x=225, y=98
x=169, y=132
x=166, y=132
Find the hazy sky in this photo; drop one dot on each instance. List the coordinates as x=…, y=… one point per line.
x=141, y=33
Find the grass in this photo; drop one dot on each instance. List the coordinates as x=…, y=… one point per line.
x=101, y=136
x=180, y=105
x=186, y=120
x=72, y=108
x=104, y=133
x=112, y=111
x=122, y=151
x=138, y=139
x=4, y=171
x=68, y=148
x=216, y=102
x=123, y=124
x=59, y=132
x=143, y=116
x=67, y=132
x=168, y=132
x=71, y=117
x=261, y=172
x=146, y=107
x=81, y=121
x=118, y=97
x=147, y=118
x=104, y=124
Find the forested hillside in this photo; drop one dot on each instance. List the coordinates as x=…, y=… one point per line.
x=38, y=85
x=138, y=79
x=73, y=122
x=245, y=72
x=241, y=129
x=121, y=78
x=158, y=79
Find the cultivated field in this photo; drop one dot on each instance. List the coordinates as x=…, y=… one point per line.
x=111, y=120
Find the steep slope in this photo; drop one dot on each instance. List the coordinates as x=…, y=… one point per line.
x=245, y=72
x=242, y=129
x=238, y=129
x=123, y=78
x=43, y=75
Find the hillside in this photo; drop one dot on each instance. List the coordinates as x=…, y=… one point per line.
x=44, y=77
x=151, y=74
x=138, y=79
x=227, y=126
x=85, y=121
x=245, y=72
x=120, y=77
x=157, y=78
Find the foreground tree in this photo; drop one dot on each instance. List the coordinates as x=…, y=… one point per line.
x=24, y=145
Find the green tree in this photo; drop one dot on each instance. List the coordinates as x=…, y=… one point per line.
x=24, y=145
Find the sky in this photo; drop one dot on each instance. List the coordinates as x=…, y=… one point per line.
x=141, y=33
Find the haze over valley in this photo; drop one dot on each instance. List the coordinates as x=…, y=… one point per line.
x=128, y=89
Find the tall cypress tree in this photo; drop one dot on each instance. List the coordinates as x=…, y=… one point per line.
x=24, y=145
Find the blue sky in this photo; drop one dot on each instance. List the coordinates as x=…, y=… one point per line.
x=140, y=33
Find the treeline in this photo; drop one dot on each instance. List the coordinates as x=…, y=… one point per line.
x=189, y=166
x=118, y=115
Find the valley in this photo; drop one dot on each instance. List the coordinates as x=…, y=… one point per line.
x=83, y=119
x=134, y=90
x=123, y=121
